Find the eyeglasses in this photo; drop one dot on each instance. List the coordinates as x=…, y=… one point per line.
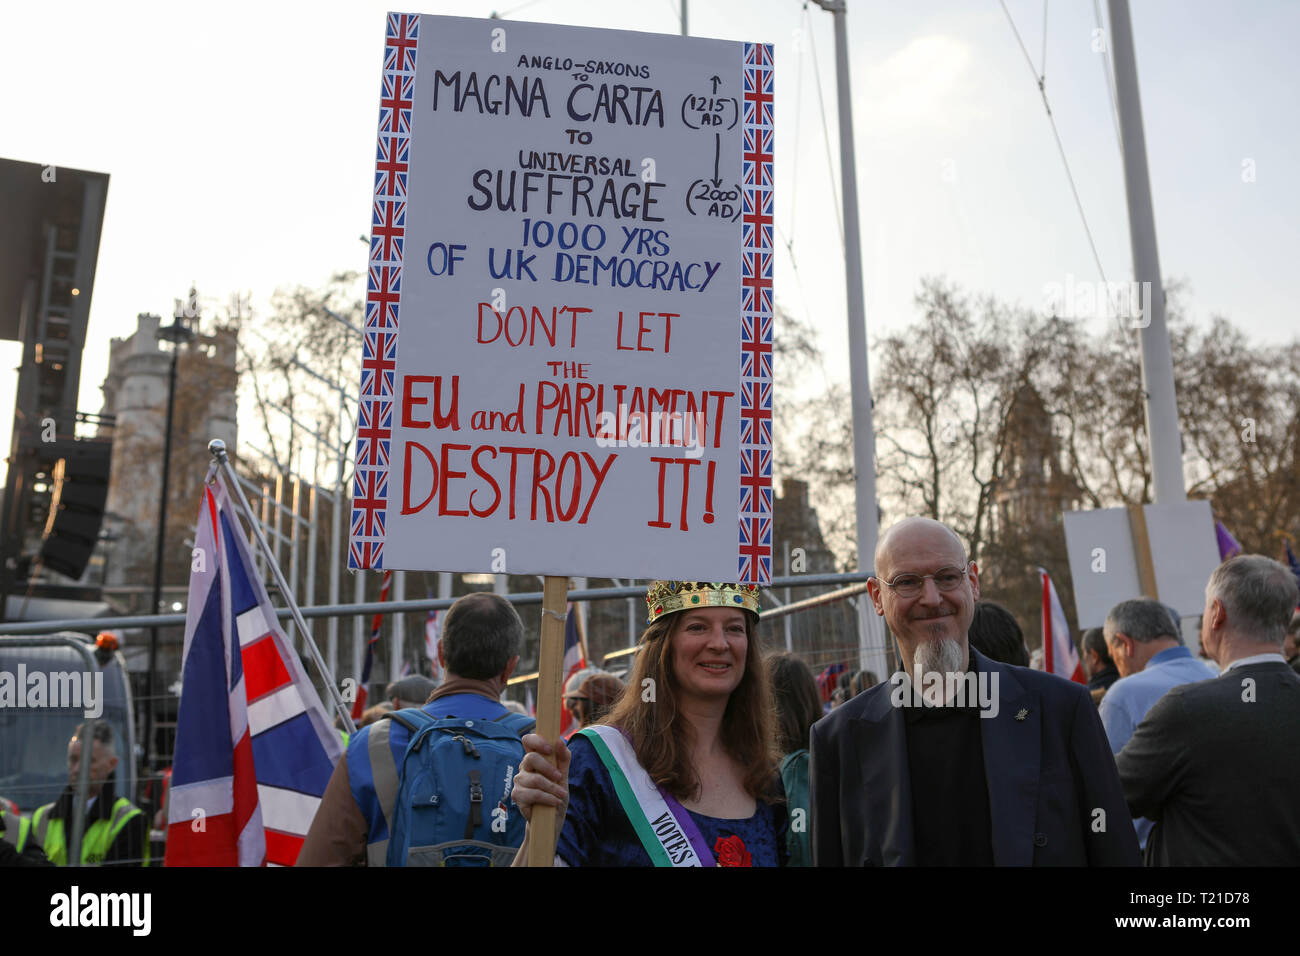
x=910, y=585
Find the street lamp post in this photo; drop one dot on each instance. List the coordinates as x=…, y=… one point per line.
x=178, y=333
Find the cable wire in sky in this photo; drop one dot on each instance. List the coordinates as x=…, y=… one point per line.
x=803, y=27
x=826, y=135
x=513, y=10
x=803, y=298
x=1041, y=80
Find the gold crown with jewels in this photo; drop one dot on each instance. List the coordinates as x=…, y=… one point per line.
x=668, y=597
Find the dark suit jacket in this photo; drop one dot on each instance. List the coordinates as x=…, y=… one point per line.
x=1214, y=763
x=1048, y=774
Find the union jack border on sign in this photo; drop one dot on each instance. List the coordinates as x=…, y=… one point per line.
x=383, y=293
x=755, y=542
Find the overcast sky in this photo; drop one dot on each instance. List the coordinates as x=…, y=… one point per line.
x=240, y=140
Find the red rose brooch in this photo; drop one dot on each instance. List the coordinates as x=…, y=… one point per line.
x=731, y=851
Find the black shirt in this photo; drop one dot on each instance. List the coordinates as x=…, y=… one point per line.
x=952, y=824
x=1103, y=678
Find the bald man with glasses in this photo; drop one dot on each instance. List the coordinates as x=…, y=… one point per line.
x=959, y=760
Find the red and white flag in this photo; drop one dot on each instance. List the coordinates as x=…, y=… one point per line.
x=575, y=659
x=1059, y=656
x=376, y=629
x=432, y=635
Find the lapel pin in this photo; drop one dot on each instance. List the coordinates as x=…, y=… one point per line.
x=1022, y=714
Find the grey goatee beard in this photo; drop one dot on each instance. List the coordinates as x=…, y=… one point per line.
x=941, y=656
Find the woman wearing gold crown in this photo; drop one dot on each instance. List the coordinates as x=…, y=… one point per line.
x=683, y=771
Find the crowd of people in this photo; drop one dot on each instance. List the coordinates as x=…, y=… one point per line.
x=710, y=753
x=715, y=755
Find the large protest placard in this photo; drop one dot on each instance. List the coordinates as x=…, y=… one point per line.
x=567, y=364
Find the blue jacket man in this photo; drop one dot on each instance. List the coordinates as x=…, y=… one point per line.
x=479, y=650
x=960, y=760
x=1151, y=661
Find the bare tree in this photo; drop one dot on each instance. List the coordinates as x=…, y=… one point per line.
x=282, y=353
x=813, y=431
x=952, y=387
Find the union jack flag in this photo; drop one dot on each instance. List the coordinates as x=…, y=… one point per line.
x=365, y=554
x=758, y=54
x=575, y=659
x=828, y=679
x=254, y=747
x=756, y=281
x=755, y=549
x=756, y=482
x=756, y=351
x=757, y=157
x=756, y=412
x=392, y=160
x=376, y=629
x=369, y=497
x=760, y=217
x=758, y=94
x=378, y=361
x=395, y=103
x=390, y=183
x=387, y=230
x=402, y=37
x=383, y=293
x=374, y=431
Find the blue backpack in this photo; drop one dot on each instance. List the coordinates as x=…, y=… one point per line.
x=453, y=791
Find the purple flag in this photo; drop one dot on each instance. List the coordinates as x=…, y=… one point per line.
x=1291, y=560
x=1228, y=546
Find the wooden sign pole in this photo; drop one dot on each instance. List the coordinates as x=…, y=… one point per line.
x=550, y=664
x=1137, y=522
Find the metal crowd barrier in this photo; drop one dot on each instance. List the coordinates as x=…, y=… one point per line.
x=90, y=625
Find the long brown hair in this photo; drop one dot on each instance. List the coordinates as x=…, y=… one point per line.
x=648, y=713
x=798, y=705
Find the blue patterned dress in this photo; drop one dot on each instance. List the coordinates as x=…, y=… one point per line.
x=597, y=831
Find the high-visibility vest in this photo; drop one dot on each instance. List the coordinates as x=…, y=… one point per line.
x=99, y=836
x=15, y=827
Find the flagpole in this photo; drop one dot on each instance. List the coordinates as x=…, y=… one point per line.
x=217, y=448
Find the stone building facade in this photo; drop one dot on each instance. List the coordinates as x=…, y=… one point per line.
x=1026, y=530
x=135, y=396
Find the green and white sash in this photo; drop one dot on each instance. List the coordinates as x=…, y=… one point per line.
x=665, y=828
